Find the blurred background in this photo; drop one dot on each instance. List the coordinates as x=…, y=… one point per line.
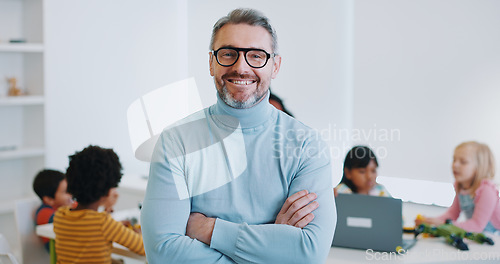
x=412, y=79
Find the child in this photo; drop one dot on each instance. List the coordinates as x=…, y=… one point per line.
x=278, y=103
x=50, y=186
x=476, y=195
x=84, y=235
x=360, y=173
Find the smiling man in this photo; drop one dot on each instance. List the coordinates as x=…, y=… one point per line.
x=243, y=83
x=240, y=181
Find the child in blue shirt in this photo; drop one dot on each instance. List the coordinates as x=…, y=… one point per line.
x=50, y=186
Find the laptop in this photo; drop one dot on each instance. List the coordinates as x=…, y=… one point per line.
x=370, y=222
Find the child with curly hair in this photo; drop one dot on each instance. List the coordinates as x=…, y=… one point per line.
x=84, y=235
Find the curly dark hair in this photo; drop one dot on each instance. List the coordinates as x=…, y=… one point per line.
x=357, y=157
x=47, y=182
x=92, y=172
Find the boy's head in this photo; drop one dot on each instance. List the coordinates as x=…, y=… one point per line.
x=91, y=174
x=51, y=187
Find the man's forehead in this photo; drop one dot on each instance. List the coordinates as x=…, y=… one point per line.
x=243, y=36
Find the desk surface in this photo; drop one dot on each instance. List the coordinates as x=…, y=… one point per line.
x=426, y=250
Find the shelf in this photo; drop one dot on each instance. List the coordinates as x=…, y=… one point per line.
x=21, y=153
x=21, y=47
x=22, y=100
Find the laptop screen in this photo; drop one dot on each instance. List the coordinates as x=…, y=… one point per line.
x=368, y=222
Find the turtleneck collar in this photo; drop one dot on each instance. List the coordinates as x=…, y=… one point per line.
x=253, y=117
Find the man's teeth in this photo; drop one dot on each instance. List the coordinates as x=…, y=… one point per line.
x=242, y=82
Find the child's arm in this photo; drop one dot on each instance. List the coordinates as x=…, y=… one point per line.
x=484, y=205
x=453, y=212
x=115, y=231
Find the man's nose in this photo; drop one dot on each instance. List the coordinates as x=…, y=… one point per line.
x=241, y=64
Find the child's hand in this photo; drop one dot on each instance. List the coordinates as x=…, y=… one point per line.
x=126, y=223
x=428, y=220
x=136, y=227
x=419, y=220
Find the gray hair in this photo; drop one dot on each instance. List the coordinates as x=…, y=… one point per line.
x=248, y=16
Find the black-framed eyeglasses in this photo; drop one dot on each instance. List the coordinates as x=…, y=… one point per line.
x=255, y=58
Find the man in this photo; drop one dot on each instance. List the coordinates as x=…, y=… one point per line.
x=240, y=181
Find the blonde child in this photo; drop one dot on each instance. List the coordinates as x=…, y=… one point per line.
x=476, y=195
x=84, y=235
x=360, y=173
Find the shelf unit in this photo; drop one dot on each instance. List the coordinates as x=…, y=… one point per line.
x=21, y=47
x=22, y=100
x=21, y=153
x=22, y=118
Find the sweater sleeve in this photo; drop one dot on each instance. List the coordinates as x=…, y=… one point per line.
x=274, y=243
x=484, y=205
x=454, y=211
x=164, y=216
x=117, y=232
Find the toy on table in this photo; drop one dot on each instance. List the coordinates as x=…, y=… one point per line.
x=454, y=235
x=133, y=224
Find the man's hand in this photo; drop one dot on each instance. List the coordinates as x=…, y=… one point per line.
x=200, y=227
x=297, y=209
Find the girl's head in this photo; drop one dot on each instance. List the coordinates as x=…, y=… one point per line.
x=360, y=169
x=472, y=162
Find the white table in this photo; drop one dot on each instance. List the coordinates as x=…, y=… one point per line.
x=47, y=231
x=426, y=250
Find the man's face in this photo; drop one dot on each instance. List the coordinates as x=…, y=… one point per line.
x=240, y=85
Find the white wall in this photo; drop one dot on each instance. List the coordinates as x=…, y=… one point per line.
x=424, y=68
x=314, y=44
x=430, y=69
x=101, y=56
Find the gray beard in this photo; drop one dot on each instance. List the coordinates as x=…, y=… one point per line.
x=229, y=100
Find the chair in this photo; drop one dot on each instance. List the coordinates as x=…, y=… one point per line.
x=32, y=249
x=4, y=245
x=7, y=258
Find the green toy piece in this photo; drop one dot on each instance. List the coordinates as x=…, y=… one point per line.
x=454, y=235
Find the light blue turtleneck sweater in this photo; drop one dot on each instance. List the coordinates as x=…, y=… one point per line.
x=238, y=166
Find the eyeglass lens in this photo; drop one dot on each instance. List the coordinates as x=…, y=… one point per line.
x=254, y=58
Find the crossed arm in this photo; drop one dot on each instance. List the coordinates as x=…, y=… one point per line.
x=172, y=234
x=296, y=211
